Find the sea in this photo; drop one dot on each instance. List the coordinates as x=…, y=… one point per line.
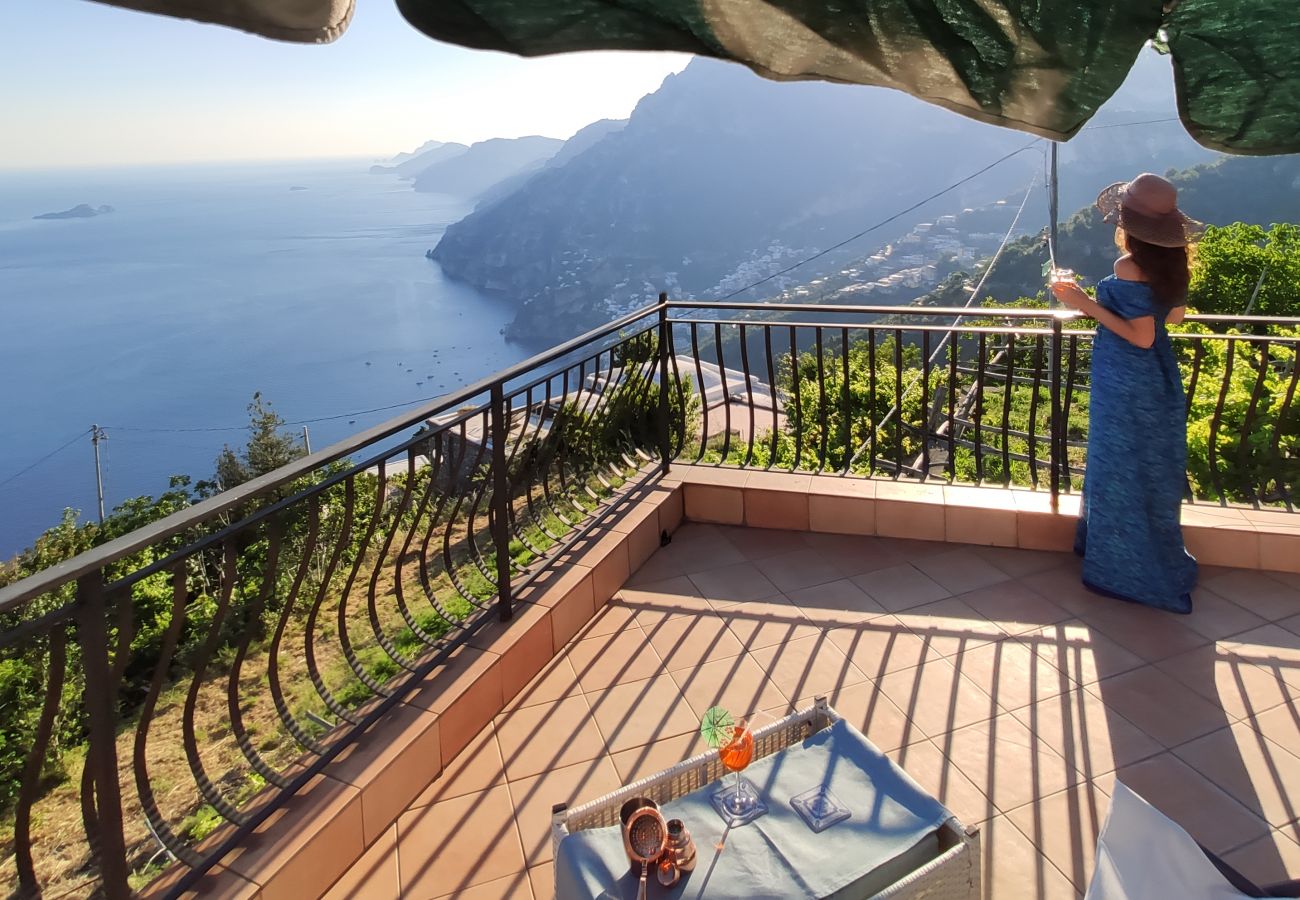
x=306, y=281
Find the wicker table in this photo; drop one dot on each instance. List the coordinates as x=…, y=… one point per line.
x=937, y=859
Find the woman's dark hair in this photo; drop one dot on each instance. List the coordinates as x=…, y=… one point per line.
x=1167, y=269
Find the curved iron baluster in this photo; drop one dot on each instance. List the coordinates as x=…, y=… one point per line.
x=444, y=497
x=954, y=346
x=144, y=786
x=345, y=637
x=823, y=425
x=704, y=392
x=1005, y=437
x=287, y=717
x=422, y=566
x=846, y=403
x=449, y=560
x=372, y=589
x=1280, y=425
x=1033, y=410
x=682, y=421
x=980, y=354
x=275, y=535
x=796, y=391
x=1070, y=373
x=773, y=391
x=1215, y=475
x=209, y=790
x=56, y=669
x=749, y=395
x=898, y=402
x=1243, y=446
x=871, y=388
x=926, y=430
x=479, y=498
x=726, y=391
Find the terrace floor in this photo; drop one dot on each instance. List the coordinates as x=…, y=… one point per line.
x=988, y=674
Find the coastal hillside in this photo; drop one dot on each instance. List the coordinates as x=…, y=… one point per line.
x=486, y=164
x=409, y=165
x=721, y=177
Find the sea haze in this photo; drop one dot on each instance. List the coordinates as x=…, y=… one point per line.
x=204, y=285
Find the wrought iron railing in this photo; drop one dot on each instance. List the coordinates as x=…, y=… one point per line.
x=166, y=692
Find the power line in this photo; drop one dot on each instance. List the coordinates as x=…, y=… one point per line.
x=1131, y=124
x=47, y=456
x=883, y=222
x=181, y=429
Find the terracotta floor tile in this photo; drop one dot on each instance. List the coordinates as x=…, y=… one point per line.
x=881, y=646
x=936, y=699
x=513, y=887
x=762, y=623
x=1092, y=738
x=613, y=659
x=1257, y=592
x=1203, y=810
x=1081, y=651
x=866, y=708
x=650, y=759
x=556, y=680
x=1160, y=705
x=740, y=685
x=654, y=602
x=839, y=602
x=1240, y=689
x=542, y=878
x=1010, y=764
x=798, y=569
x=1217, y=618
x=1259, y=774
x=1014, y=868
x=611, y=618
x=1268, y=860
x=900, y=587
x=910, y=548
x=640, y=712
x=1064, y=828
x=854, y=555
x=734, y=583
x=807, y=666
x=537, y=738
x=1014, y=607
x=937, y=775
x=476, y=768
x=694, y=547
x=1272, y=648
x=1064, y=587
x=1012, y=673
x=959, y=571
x=431, y=844
x=1151, y=634
x=692, y=640
x=949, y=626
x=1281, y=725
x=760, y=543
x=1018, y=563
x=374, y=876
x=534, y=797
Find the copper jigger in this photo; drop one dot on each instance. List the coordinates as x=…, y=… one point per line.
x=681, y=847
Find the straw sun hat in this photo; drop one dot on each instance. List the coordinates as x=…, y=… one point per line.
x=1147, y=208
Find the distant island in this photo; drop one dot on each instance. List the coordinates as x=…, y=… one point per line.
x=297, y=187
x=81, y=211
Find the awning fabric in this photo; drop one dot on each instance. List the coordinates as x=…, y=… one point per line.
x=1041, y=66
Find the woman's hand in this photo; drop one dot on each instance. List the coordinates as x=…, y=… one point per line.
x=1072, y=295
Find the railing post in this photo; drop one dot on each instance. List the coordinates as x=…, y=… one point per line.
x=665, y=425
x=501, y=501
x=1059, y=461
x=101, y=755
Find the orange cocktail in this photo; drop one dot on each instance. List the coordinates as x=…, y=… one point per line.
x=738, y=753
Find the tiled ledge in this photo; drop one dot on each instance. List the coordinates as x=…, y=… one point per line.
x=317, y=837
x=1218, y=536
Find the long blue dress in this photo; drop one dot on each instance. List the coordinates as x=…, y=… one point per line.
x=1129, y=534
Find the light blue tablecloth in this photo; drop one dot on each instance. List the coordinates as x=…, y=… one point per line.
x=893, y=829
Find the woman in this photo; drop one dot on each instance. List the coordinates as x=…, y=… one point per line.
x=1129, y=534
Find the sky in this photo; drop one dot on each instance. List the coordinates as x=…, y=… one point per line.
x=94, y=85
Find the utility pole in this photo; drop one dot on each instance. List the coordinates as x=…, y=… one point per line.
x=98, y=434
x=306, y=439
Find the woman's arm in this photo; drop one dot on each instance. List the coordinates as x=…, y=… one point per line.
x=1176, y=315
x=1140, y=332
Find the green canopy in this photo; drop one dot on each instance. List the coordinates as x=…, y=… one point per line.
x=1042, y=66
